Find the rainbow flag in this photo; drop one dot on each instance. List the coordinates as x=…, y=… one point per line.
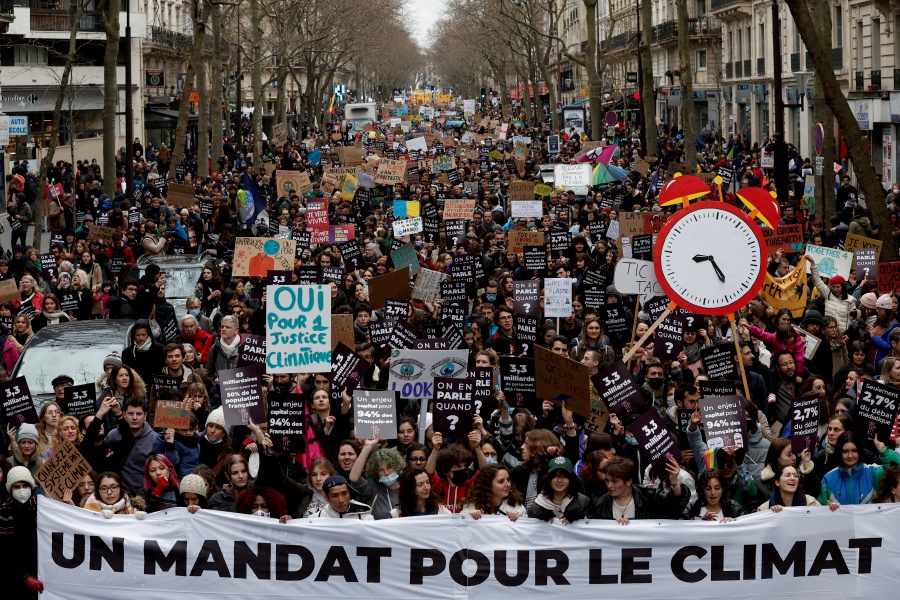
x=710, y=457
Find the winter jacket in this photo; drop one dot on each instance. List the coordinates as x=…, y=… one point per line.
x=882, y=344
x=754, y=458
x=730, y=510
x=572, y=508
x=133, y=464
x=857, y=485
x=125, y=506
x=796, y=350
x=357, y=510
x=183, y=452
x=648, y=504
x=224, y=500
x=202, y=342
x=505, y=508
x=835, y=306
x=861, y=226
x=773, y=501
x=380, y=497
x=154, y=503
x=10, y=354
x=271, y=474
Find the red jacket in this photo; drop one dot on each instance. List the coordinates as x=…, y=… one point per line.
x=129, y=258
x=202, y=342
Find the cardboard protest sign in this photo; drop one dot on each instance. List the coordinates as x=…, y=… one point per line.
x=866, y=261
x=563, y=381
x=347, y=367
x=657, y=444
x=98, y=232
x=180, y=195
x=804, y=424
x=519, y=239
x=342, y=331
x=287, y=422
x=375, y=414
x=252, y=351
x=289, y=182
x=718, y=361
x=618, y=389
x=298, y=332
x=630, y=224
x=427, y=287
x=279, y=133
x=18, y=406
x=392, y=285
x=829, y=261
x=521, y=190
x=8, y=290
x=390, y=172
x=254, y=257
x=724, y=421
x=668, y=339
x=171, y=414
x=557, y=297
x=787, y=238
x=63, y=471
x=888, y=277
x=854, y=242
x=412, y=372
x=459, y=208
x=454, y=406
x=80, y=400
x=242, y=395
x=633, y=276
x=876, y=410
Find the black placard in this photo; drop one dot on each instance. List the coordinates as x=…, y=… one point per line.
x=727, y=174
x=614, y=319
x=81, y=400
x=169, y=329
x=396, y=309
x=618, y=389
x=805, y=424
x=347, y=367
x=724, y=421
x=876, y=410
x=252, y=351
x=527, y=333
x=351, y=256
x=454, y=290
x=710, y=388
x=594, y=295
x=165, y=381
x=68, y=302
x=287, y=422
x=598, y=229
x=668, y=339
x=655, y=440
x=303, y=240
x=718, y=361
x=519, y=382
x=642, y=246
x=535, y=258
x=332, y=272
x=18, y=406
x=559, y=241
x=242, y=395
x=451, y=332
x=866, y=264
x=280, y=277
x=454, y=406
x=307, y=274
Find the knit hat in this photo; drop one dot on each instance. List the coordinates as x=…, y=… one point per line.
x=885, y=302
x=193, y=484
x=837, y=280
x=27, y=432
x=812, y=316
x=17, y=474
x=217, y=417
x=868, y=300
x=112, y=359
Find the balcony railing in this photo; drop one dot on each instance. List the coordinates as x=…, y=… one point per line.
x=761, y=65
x=171, y=40
x=738, y=68
x=703, y=26
x=795, y=62
x=622, y=41
x=728, y=72
x=48, y=19
x=859, y=81
x=717, y=4
x=837, y=58
x=875, y=78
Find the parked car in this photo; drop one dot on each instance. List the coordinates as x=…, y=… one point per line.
x=182, y=274
x=76, y=349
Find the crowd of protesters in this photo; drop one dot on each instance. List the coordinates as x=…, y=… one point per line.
x=540, y=463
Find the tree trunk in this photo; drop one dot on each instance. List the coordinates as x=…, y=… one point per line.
x=526, y=99
x=110, y=16
x=595, y=98
x=822, y=114
x=203, y=123
x=189, y=75
x=648, y=102
x=256, y=81
x=835, y=99
x=687, y=88
x=57, y=112
x=281, y=98
x=217, y=70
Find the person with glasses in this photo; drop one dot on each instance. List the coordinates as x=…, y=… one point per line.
x=80, y=493
x=112, y=498
x=505, y=327
x=416, y=456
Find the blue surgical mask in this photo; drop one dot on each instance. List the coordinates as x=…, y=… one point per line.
x=195, y=312
x=631, y=440
x=389, y=479
x=490, y=297
x=490, y=460
x=676, y=373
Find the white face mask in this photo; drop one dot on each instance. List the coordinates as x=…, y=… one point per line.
x=22, y=495
x=260, y=513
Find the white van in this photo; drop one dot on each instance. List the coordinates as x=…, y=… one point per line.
x=358, y=115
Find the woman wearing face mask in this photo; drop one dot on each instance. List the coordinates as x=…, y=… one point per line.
x=560, y=498
x=417, y=497
x=384, y=468
x=112, y=498
x=237, y=472
x=262, y=502
x=160, y=489
x=18, y=536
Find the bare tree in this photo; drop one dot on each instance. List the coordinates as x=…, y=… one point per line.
x=687, y=88
x=647, y=91
x=202, y=8
x=109, y=15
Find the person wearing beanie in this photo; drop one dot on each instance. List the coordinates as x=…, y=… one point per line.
x=192, y=493
x=25, y=451
x=838, y=303
x=112, y=361
x=18, y=537
x=880, y=332
x=215, y=444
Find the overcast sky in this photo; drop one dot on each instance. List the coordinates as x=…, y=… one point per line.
x=424, y=13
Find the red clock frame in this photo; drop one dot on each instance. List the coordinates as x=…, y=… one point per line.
x=673, y=295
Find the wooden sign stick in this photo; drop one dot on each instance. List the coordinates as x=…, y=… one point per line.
x=650, y=331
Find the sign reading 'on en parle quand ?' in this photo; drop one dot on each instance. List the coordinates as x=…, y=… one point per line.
x=298, y=329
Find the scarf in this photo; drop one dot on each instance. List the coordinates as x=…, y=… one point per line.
x=693, y=352
x=145, y=346
x=52, y=317
x=835, y=344
x=115, y=508
x=229, y=350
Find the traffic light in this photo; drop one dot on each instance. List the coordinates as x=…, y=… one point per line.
x=483, y=93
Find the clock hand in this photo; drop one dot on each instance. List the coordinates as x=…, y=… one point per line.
x=719, y=272
x=701, y=257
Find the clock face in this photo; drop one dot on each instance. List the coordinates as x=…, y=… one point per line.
x=709, y=258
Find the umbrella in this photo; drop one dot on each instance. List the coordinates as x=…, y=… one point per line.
x=762, y=205
x=682, y=189
x=603, y=155
x=606, y=174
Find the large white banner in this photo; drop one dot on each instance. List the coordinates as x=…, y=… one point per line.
x=798, y=553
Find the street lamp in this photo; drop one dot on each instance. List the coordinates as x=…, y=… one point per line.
x=802, y=80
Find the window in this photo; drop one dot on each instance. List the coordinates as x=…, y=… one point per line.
x=859, y=46
x=838, y=27
x=701, y=60
x=31, y=55
x=876, y=44
x=762, y=40
x=740, y=50
x=749, y=43
x=701, y=9
x=797, y=41
x=730, y=46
